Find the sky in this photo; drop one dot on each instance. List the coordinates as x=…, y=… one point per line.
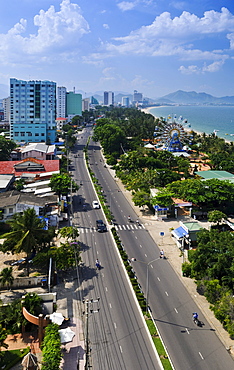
x=153, y=46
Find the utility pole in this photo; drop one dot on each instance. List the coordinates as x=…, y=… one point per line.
x=88, y=310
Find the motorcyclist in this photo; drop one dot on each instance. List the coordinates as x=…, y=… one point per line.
x=137, y=222
x=162, y=253
x=98, y=264
x=129, y=218
x=195, y=316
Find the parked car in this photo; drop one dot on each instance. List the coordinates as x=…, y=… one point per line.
x=96, y=204
x=101, y=227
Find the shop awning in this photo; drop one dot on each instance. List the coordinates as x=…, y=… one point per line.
x=180, y=232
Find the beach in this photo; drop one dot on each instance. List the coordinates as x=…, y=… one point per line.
x=201, y=119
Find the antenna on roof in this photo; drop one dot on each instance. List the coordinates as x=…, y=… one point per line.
x=74, y=89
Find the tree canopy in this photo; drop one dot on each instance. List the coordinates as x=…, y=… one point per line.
x=62, y=184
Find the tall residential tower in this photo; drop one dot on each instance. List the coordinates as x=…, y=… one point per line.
x=33, y=110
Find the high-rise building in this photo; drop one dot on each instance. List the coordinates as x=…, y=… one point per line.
x=32, y=110
x=137, y=97
x=108, y=98
x=6, y=108
x=73, y=104
x=125, y=101
x=85, y=104
x=61, y=101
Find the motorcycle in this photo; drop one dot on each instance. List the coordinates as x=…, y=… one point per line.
x=98, y=266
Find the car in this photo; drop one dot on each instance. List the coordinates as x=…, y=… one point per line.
x=101, y=227
x=96, y=204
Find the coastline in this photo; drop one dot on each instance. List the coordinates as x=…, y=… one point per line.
x=148, y=111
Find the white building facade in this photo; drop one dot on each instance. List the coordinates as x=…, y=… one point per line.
x=32, y=111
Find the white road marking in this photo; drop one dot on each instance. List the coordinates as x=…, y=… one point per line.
x=120, y=227
x=143, y=226
x=166, y=294
x=158, y=279
x=140, y=246
x=201, y=355
x=115, y=325
x=187, y=330
x=124, y=227
x=132, y=227
x=145, y=255
x=128, y=227
x=106, y=289
x=175, y=310
x=120, y=349
x=110, y=305
x=135, y=237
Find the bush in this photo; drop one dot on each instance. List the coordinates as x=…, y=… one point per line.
x=186, y=269
x=51, y=348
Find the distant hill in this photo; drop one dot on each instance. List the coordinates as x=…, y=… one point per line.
x=192, y=97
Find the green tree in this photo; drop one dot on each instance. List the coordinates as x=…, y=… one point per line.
x=62, y=184
x=216, y=217
x=6, y=277
x=3, y=336
x=141, y=198
x=27, y=234
x=6, y=147
x=163, y=198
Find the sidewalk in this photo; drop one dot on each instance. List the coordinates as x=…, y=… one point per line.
x=175, y=258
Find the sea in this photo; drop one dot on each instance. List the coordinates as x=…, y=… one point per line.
x=208, y=119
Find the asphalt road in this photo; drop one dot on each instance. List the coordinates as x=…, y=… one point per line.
x=118, y=338
x=189, y=346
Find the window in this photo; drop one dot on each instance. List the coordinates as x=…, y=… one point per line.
x=10, y=210
x=22, y=133
x=36, y=134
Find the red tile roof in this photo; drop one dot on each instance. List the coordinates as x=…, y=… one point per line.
x=7, y=167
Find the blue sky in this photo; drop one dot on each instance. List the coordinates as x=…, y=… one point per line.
x=153, y=46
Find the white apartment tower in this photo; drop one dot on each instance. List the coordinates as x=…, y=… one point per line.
x=61, y=101
x=6, y=107
x=33, y=111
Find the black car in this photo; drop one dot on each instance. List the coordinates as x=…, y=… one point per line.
x=101, y=227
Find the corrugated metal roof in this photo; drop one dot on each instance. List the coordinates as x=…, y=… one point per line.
x=211, y=174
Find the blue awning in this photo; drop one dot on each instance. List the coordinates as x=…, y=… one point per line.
x=180, y=232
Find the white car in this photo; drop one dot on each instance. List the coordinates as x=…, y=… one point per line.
x=96, y=204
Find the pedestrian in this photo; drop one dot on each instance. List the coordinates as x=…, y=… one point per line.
x=162, y=253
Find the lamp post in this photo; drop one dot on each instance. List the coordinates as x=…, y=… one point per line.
x=147, y=276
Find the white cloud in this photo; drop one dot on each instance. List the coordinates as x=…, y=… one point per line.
x=55, y=30
x=126, y=5
x=213, y=67
x=106, y=26
x=193, y=69
x=174, y=36
x=189, y=70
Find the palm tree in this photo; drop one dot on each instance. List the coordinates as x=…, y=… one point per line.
x=6, y=277
x=3, y=335
x=27, y=234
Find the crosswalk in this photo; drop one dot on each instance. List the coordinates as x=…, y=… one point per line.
x=86, y=230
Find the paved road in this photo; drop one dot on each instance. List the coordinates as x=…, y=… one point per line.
x=117, y=332
x=189, y=347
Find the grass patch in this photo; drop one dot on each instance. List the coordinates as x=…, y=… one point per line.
x=158, y=344
x=11, y=358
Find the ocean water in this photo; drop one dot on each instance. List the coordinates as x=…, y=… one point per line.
x=202, y=118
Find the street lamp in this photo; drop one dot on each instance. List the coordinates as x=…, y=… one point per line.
x=147, y=276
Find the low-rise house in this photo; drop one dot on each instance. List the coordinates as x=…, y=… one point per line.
x=28, y=165
x=6, y=182
x=38, y=151
x=12, y=202
x=186, y=234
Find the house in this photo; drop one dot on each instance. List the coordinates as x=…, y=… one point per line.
x=213, y=174
x=186, y=234
x=28, y=165
x=38, y=151
x=6, y=182
x=13, y=201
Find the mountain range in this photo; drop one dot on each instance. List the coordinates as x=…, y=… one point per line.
x=177, y=97
x=192, y=97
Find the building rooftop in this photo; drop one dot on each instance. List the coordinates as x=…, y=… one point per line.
x=28, y=165
x=211, y=174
